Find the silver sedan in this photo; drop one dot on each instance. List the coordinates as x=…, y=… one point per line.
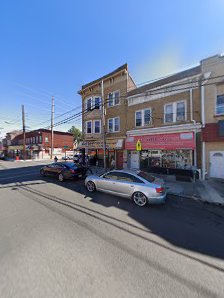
x=139, y=186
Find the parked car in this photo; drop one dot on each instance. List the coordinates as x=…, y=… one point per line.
x=63, y=170
x=69, y=157
x=139, y=186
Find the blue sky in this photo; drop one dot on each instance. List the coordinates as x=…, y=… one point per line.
x=52, y=47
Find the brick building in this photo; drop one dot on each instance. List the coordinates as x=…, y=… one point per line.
x=38, y=144
x=213, y=116
x=115, y=87
x=164, y=117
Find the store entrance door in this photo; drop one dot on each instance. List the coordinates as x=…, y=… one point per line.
x=119, y=159
x=134, y=160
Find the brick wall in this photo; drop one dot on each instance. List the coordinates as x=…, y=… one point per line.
x=157, y=107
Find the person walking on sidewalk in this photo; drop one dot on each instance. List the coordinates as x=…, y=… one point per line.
x=112, y=163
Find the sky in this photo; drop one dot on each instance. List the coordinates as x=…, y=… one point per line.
x=52, y=47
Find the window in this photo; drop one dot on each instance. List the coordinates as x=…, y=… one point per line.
x=40, y=139
x=46, y=139
x=36, y=139
x=127, y=177
x=114, y=124
x=89, y=104
x=97, y=102
x=89, y=127
x=97, y=126
x=114, y=98
x=175, y=111
x=110, y=176
x=146, y=176
x=220, y=105
x=143, y=117
x=93, y=103
x=169, y=113
x=33, y=140
x=180, y=111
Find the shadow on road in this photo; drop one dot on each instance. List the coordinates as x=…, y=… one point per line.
x=183, y=223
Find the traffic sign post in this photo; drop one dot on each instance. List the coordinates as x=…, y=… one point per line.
x=138, y=146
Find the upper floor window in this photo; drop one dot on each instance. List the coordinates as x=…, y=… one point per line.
x=40, y=139
x=220, y=105
x=114, y=124
x=89, y=127
x=33, y=140
x=46, y=139
x=36, y=139
x=143, y=117
x=93, y=103
x=97, y=126
x=89, y=104
x=175, y=111
x=114, y=98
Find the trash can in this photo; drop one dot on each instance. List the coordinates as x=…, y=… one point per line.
x=17, y=157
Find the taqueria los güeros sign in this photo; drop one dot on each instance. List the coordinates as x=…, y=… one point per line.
x=172, y=141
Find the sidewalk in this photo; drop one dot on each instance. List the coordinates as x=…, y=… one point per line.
x=209, y=191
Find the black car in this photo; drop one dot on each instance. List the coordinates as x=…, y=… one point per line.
x=63, y=170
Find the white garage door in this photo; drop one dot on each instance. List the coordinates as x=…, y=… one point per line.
x=217, y=164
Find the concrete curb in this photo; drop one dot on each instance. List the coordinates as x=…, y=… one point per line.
x=195, y=198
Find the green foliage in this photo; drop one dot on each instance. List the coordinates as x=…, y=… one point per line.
x=77, y=134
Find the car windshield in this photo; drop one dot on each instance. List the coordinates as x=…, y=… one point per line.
x=146, y=176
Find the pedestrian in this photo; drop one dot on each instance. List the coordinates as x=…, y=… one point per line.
x=55, y=159
x=112, y=163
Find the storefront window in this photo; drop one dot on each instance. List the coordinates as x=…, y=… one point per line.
x=180, y=159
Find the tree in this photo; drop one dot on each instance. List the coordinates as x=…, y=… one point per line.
x=77, y=134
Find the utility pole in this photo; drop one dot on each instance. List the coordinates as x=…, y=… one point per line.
x=24, y=133
x=52, y=127
x=103, y=127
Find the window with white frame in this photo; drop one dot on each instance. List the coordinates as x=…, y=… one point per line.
x=97, y=126
x=89, y=127
x=114, y=98
x=97, y=102
x=40, y=139
x=220, y=105
x=89, y=104
x=175, y=111
x=46, y=139
x=143, y=117
x=114, y=124
x=93, y=103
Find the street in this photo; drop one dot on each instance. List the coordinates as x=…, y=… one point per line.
x=57, y=240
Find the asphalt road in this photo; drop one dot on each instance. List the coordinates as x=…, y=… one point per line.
x=56, y=240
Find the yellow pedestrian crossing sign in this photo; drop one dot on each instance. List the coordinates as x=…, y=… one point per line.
x=138, y=146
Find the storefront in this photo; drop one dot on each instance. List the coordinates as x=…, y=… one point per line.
x=167, y=151
x=94, y=149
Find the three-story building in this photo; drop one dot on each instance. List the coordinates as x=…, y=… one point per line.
x=107, y=115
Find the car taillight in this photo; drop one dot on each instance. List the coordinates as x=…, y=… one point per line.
x=73, y=171
x=160, y=189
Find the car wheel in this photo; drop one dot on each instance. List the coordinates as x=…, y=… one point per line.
x=139, y=199
x=42, y=173
x=61, y=177
x=91, y=186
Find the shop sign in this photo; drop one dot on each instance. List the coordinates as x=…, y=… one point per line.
x=171, y=141
x=110, y=144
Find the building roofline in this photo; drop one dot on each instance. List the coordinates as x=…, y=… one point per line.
x=167, y=80
x=119, y=69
